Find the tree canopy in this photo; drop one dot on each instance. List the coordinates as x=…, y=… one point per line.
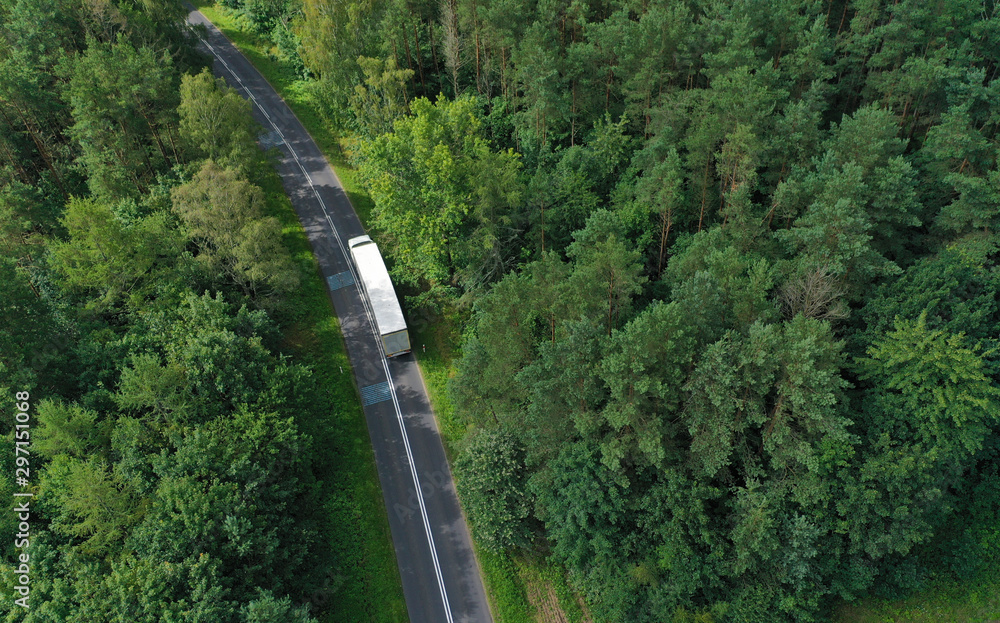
x=143, y=287
x=725, y=276
x=736, y=299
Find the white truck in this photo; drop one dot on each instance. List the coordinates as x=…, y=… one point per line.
x=375, y=282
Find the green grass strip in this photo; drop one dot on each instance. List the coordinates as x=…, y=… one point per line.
x=975, y=600
x=505, y=588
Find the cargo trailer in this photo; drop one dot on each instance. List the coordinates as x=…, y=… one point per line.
x=377, y=286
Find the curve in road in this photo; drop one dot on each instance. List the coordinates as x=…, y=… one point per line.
x=441, y=582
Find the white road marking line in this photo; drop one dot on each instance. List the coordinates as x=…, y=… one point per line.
x=371, y=321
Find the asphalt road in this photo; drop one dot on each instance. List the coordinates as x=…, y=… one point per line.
x=441, y=581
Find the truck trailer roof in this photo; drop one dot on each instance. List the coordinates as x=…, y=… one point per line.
x=377, y=284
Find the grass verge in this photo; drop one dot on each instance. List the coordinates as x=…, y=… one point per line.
x=969, y=601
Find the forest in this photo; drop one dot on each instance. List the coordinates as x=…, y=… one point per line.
x=726, y=273
x=725, y=276
x=176, y=460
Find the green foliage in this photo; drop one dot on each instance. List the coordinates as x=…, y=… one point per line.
x=694, y=208
x=333, y=37
x=69, y=430
x=223, y=214
x=934, y=388
x=123, y=101
x=644, y=369
x=89, y=502
x=955, y=290
x=584, y=507
x=268, y=609
x=116, y=261
x=721, y=201
x=25, y=318
x=382, y=98
x=173, y=477
x=932, y=409
x=204, y=501
x=215, y=122
x=606, y=275
x=507, y=595
x=503, y=344
x=442, y=197
x=659, y=192
x=494, y=490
